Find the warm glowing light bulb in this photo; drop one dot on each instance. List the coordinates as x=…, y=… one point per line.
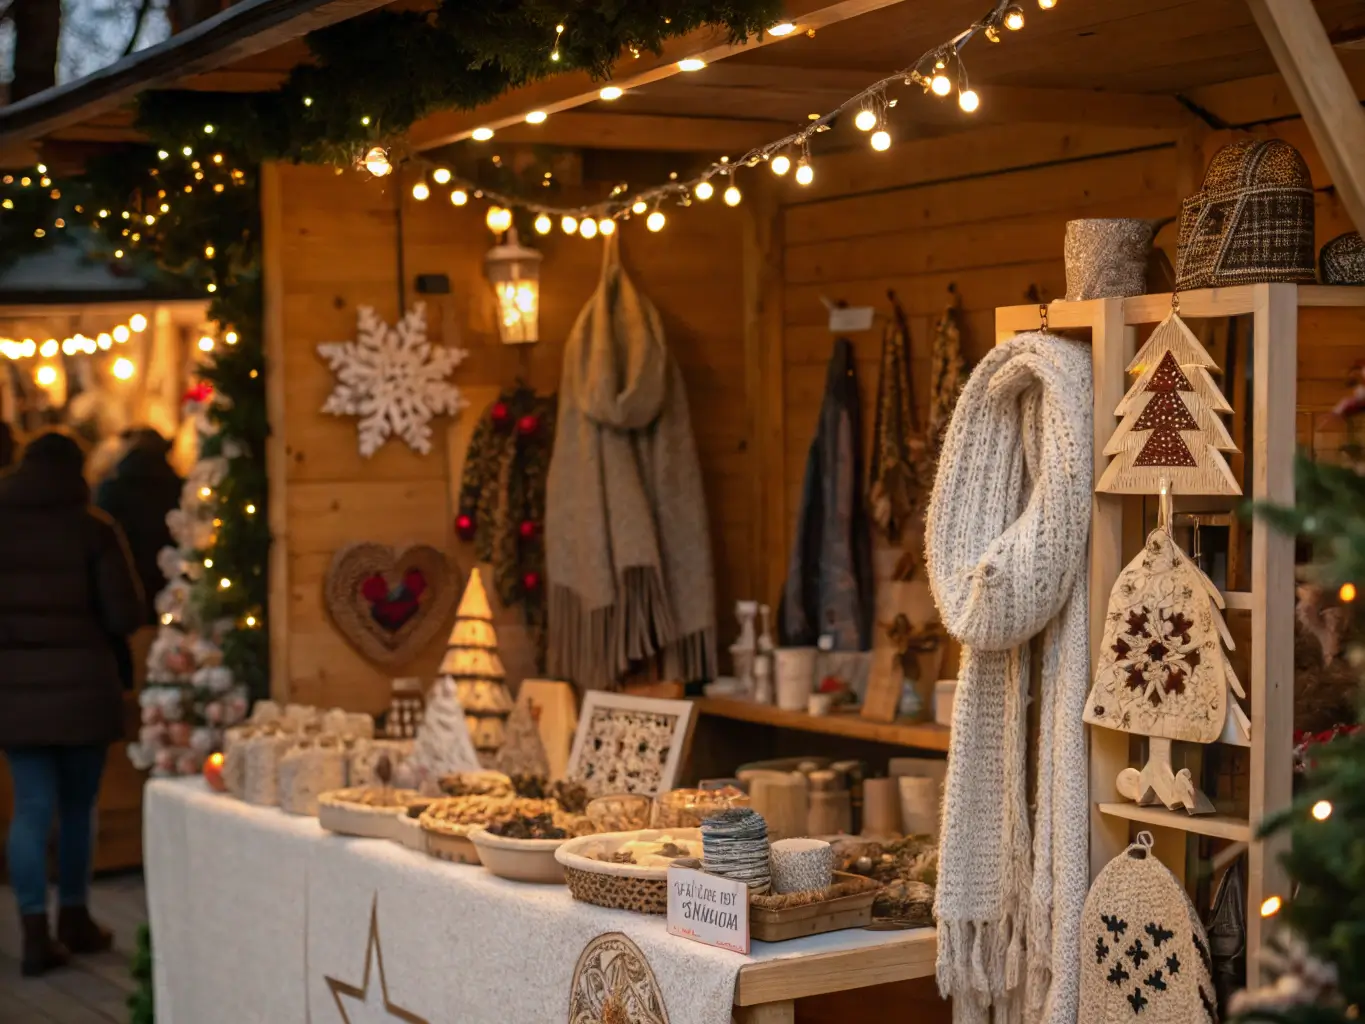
x=536, y=117
x=441, y=175
x=805, y=173
x=420, y=192
x=121, y=333
x=47, y=376
x=211, y=288
x=481, y=134
x=377, y=162
x=166, y=619
x=639, y=206
x=206, y=344
x=138, y=323
x=224, y=583
x=1347, y=593
x=941, y=85
x=704, y=190
x=865, y=121
x=606, y=226
x=1014, y=19
x=732, y=196
x=1047, y=5
x=781, y=164
x=250, y=620
x=459, y=197
x=1271, y=905
x=569, y=224
x=782, y=28
x=49, y=348
x=691, y=64
x=881, y=141
x=104, y=342
x=498, y=219
x=187, y=150
x=209, y=251
x=208, y=563
x=251, y=510
x=230, y=337
x=655, y=221
x=968, y=100
x=1322, y=810
x=587, y=227
x=123, y=368
x=544, y=224
x=612, y=92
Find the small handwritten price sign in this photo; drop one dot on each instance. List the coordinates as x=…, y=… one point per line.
x=708, y=909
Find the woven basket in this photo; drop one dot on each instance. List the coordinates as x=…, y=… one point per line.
x=1251, y=222
x=618, y=886
x=1342, y=260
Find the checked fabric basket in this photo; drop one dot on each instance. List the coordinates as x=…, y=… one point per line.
x=1252, y=221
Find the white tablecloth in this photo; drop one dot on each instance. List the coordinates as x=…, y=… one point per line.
x=252, y=911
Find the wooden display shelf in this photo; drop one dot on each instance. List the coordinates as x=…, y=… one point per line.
x=921, y=735
x=1222, y=826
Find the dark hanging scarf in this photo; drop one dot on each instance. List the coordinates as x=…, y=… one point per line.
x=901, y=475
x=829, y=577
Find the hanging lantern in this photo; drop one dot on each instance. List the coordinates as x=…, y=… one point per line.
x=514, y=272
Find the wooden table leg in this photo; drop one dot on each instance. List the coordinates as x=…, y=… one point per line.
x=767, y=1013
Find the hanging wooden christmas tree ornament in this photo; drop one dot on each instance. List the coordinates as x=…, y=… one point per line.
x=1171, y=430
x=1163, y=671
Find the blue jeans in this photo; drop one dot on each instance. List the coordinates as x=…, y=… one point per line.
x=48, y=780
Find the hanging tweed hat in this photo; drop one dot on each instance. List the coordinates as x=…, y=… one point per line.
x=1144, y=954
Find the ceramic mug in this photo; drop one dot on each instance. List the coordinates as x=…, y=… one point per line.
x=795, y=677
x=801, y=865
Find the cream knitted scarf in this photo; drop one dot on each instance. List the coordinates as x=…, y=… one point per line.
x=1006, y=553
x=627, y=545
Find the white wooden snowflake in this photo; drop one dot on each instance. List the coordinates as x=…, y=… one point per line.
x=393, y=379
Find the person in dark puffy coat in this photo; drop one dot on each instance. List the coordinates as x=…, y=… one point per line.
x=68, y=594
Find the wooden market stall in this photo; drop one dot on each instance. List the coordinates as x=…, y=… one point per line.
x=1094, y=110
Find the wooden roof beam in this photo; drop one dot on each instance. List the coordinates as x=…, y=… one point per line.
x=242, y=30
x=574, y=89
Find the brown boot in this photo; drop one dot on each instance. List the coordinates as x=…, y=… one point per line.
x=80, y=934
x=41, y=951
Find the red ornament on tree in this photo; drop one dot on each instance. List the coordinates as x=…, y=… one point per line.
x=528, y=425
x=501, y=415
x=464, y=526
x=528, y=529
x=531, y=582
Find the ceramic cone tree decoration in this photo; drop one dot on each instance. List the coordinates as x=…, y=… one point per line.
x=1163, y=672
x=523, y=751
x=443, y=745
x=1171, y=431
x=472, y=667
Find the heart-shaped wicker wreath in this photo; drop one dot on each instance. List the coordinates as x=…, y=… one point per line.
x=388, y=605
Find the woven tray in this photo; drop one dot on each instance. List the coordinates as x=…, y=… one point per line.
x=618, y=886
x=845, y=904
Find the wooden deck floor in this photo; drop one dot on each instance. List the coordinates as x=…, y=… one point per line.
x=93, y=990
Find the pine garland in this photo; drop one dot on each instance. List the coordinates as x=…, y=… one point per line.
x=375, y=75
x=141, y=1003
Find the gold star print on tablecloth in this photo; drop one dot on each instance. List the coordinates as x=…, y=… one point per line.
x=366, y=1007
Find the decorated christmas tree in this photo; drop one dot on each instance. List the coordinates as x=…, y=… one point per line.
x=191, y=695
x=1318, y=968
x=472, y=667
x=1171, y=430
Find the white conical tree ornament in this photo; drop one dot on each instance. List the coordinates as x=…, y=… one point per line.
x=473, y=671
x=443, y=745
x=523, y=752
x=1171, y=432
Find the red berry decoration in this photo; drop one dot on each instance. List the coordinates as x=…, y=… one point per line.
x=530, y=582
x=464, y=526
x=501, y=415
x=528, y=425
x=528, y=529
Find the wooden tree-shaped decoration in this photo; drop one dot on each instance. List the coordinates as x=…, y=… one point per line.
x=523, y=751
x=1171, y=432
x=472, y=666
x=1163, y=671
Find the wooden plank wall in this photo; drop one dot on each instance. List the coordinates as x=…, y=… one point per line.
x=939, y=214
x=332, y=244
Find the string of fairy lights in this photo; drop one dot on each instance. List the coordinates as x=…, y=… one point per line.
x=939, y=72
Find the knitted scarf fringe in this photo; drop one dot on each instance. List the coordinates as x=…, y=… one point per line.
x=594, y=648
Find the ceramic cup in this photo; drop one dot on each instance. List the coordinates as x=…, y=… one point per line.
x=801, y=865
x=795, y=677
x=818, y=704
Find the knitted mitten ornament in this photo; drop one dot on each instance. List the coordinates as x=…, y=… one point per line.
x=1144, y=954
